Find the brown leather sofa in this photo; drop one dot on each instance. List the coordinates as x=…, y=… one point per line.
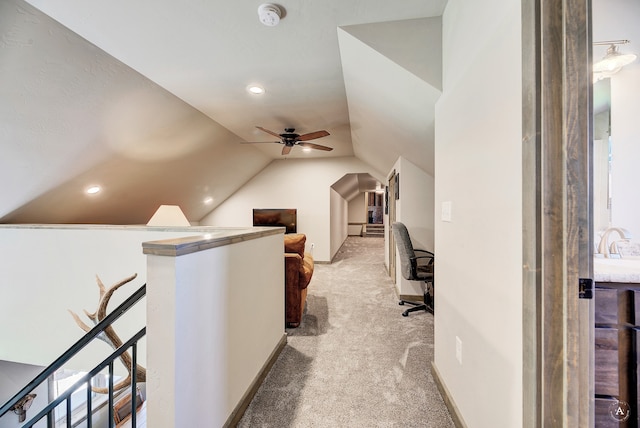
x=298, y=269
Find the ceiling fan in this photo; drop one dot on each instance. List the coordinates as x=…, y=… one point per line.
x=289, y=138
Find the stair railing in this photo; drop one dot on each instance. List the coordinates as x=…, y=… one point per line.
x=48, y=411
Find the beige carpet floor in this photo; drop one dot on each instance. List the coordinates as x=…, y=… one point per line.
x=354, y=361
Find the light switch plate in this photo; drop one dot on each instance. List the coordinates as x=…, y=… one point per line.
x=446, y=211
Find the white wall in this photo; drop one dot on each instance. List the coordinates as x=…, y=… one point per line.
x=46, y=270
x=479, y=253
x=357, y=213
x=13, y=377
x=292, y=183
x=415, y=210
x=213, y=323
x=415, y=207
x=358, y=209
x=338, y=219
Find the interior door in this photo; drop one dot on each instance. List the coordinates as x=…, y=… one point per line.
x=557, y=214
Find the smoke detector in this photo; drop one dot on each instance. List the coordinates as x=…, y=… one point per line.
x=269, y=14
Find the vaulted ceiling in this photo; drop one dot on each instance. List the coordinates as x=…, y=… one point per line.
x=149, y=100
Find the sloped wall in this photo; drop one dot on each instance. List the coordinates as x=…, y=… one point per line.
x=74, y=116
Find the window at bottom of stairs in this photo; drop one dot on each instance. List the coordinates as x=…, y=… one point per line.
x=65, y=379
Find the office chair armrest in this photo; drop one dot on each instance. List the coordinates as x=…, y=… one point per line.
x=415, y=250
x=415, y=269
x=416, y=260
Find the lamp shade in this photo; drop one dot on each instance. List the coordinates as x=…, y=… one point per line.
x=168, y=215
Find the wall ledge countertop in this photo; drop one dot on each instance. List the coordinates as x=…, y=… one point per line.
x=616, y=270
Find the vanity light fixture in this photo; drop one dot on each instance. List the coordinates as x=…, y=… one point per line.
x=613, y=61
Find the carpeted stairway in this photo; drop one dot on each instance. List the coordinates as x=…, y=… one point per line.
x=355, y=361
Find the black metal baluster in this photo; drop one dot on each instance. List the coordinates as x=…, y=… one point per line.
x=68, y=402
x=111, y=421
x=89, y=403
x=134, y=363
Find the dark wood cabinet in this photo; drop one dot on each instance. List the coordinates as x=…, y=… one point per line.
x=617, y=331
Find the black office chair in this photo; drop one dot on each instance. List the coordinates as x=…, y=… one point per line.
x=416, y=265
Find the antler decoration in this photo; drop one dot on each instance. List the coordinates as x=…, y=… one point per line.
x=109, y=335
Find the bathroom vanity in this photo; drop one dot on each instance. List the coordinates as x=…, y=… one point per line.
x=617, y=335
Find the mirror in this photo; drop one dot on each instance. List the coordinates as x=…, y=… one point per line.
x=601, y=155
x=616, y=129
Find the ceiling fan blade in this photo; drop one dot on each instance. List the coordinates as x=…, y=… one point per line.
x=260, y=142
x=316, y=146
x=286, y=149
x=312, y=135
x=268, y=132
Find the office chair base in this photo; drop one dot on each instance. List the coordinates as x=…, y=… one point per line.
x=427, y=306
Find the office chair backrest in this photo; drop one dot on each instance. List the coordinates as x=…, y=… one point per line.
x=405, y=248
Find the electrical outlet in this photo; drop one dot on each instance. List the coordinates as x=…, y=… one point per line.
x=458, y=350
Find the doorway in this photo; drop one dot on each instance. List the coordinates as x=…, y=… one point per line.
x=374, y=213
x=375, y=207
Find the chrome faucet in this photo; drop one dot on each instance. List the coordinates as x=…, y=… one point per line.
x=605, y=248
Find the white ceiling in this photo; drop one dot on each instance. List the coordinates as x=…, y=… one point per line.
x=149, y=97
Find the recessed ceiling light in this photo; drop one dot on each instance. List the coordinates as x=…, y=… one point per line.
x=92, y=190
x=306, y=149
x=208, y=200
x=255, y=89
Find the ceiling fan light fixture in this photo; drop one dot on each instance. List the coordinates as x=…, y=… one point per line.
x=255, y=89
x=289, y=139
x=269, y=14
